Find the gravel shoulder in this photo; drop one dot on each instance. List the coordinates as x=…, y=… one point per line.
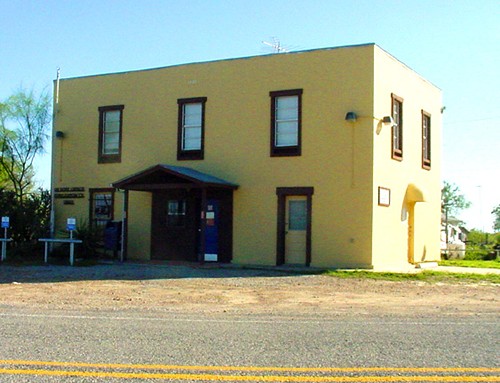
x=233, y=291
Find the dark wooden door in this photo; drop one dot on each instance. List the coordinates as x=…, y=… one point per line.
x=174, y=226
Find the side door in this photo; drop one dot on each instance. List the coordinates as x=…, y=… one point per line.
x=295, y=230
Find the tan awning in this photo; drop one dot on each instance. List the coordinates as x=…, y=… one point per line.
x=414, y=194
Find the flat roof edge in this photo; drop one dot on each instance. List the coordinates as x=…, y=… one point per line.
x=218, y=60
x=407, y=66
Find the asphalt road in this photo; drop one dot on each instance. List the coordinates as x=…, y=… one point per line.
x=60, y=346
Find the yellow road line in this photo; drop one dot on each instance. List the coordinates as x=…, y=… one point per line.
x=248, y=368
x=126, y=375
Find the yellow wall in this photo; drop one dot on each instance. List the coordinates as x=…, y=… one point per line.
x=390, y=228
x=139, y=231
x=337, y=156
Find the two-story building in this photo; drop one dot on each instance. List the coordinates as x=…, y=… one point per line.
x=327, y=157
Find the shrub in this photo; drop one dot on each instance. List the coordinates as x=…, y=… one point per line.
x=475, y=253
x=28, y=221
x=92, y=237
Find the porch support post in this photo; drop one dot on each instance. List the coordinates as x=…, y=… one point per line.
x=123, y=252
x=203, y=222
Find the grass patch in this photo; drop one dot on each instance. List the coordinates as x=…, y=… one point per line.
x=424, y=276
x=470, y=263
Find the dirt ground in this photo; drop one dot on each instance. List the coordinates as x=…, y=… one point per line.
x=213, y=291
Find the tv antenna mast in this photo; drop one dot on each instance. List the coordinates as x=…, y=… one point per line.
x=276, y=45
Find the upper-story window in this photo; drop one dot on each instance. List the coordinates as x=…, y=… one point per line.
x=191, y=128
x=286, y=116
x=397, y=128
x=110, y=133
x=426, y=140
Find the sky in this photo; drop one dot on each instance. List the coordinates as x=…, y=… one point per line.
x=453, y=44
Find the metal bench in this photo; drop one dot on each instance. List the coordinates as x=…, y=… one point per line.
x=71, y=242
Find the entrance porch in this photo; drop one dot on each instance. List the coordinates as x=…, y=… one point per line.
x=191, y=216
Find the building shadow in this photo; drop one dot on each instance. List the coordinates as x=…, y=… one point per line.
x=130, y=271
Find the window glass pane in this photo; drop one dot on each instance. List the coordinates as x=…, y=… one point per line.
x=192, y=115
x=395, y=138
x=111, y=132
x=396, y=111
x=192, y=129
x=397, y=130
x=287, y=134
x=426, y=139
x=192, y=132
x=297, y=215
x=112, y=121
x=113, y=115
x=192, y=139
x=192, y=144
x=287, y=108
x=287, y=102
x=176, y=207
x=176, y=212
x=102, y=207
x=111, y=144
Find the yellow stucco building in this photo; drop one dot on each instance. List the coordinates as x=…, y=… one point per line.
x=327, y=157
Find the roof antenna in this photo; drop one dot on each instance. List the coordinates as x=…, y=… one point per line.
x=276, y=45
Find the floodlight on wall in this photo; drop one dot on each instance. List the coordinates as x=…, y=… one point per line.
x=351, y=117
x=59, y=134
x=388, y=120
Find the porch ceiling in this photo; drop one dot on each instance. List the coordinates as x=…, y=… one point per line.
x=162, y=176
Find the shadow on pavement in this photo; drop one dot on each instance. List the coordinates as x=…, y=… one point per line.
x=129, y=271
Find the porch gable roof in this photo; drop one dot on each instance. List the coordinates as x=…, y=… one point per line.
x=163, y=176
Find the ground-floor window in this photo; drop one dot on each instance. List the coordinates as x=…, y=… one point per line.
x=101, y=206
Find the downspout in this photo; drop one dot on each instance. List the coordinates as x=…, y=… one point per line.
x=411, y=232
x=55, y=109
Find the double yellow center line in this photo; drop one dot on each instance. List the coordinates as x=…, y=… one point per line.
x=207, y=373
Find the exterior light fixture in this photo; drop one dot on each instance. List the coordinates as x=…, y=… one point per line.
x=388, y=120
x=351, y=117
x=59, y=134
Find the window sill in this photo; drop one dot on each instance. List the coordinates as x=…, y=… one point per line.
x=397, y=157
x=287, y=151
x=190, y=155
x=109, y=159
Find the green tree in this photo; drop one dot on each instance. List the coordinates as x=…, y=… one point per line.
x=496, y=223
x=24, y=120
x=452, y=202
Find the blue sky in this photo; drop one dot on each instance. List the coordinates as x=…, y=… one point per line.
x=454, y=44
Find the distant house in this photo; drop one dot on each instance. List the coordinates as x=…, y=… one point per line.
x=328, y=157
x=453, y=238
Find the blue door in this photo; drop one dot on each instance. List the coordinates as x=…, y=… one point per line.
x=212, y=231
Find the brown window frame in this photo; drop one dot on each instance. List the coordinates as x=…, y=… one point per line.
x=92, y=193
x=109, y=158
x=426, y=140
x=292, y=150
x=397, y=128
x=183, y=154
